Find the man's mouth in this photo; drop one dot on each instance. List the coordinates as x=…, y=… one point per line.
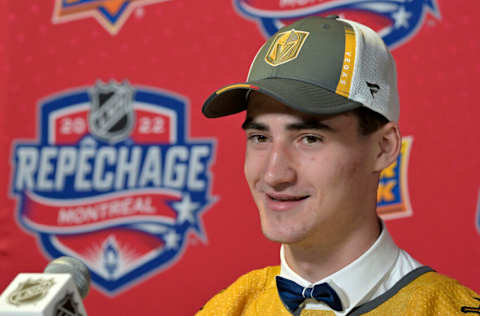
x=286, y=198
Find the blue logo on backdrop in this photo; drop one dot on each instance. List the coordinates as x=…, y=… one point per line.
x=115, y=180
x=405, y=16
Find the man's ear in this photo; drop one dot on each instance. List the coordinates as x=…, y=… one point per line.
x=389, y=145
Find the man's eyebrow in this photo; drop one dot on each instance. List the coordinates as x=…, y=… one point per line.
x=250, y=124
x=302, y=125
x=310, y=124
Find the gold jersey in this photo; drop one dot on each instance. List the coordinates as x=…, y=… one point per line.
x=422, y=292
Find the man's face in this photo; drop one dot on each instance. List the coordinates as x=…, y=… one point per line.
x=311, y=176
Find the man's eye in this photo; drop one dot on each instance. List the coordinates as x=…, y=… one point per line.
x=257, y=139
x=311, y=139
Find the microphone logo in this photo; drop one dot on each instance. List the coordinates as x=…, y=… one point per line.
x=30, y=291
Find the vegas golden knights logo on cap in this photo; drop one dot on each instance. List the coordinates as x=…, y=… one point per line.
x=285, y=47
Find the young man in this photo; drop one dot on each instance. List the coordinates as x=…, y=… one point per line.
x=322, y=109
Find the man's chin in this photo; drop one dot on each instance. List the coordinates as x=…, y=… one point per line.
x=282, y=237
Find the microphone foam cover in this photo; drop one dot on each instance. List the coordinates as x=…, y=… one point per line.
x=75, y=267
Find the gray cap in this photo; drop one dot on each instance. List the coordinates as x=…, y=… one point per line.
x=318, y=65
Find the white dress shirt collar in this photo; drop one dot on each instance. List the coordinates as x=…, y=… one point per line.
x=355, y=282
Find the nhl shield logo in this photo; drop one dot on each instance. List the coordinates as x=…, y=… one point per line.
x=115, y=180
x=285, y=47
x=111, y=116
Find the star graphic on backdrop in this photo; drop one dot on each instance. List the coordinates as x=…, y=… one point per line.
x=171, y=239
x=185, y=209
x=401, y=18
x=113, y=6
x=111, y=14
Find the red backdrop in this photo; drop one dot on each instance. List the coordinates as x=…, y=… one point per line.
x=171, y=55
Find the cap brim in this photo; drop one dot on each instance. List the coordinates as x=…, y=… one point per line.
x=299, y=95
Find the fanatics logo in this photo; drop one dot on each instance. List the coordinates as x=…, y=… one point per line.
x=285, y=47
x=374, y=88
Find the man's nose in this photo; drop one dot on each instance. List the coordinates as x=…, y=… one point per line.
x=279, y=170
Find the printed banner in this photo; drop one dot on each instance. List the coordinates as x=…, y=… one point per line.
x=113, y=166
x=395, y=20
x=108, y=158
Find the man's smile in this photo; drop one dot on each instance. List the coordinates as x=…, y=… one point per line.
x=283, y=202
x=286, y=197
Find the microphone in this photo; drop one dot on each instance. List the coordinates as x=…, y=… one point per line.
x=56, y=292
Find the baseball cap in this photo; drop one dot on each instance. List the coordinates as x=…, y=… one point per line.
x=318, y=65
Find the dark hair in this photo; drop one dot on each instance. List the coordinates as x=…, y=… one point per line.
x=369, y=121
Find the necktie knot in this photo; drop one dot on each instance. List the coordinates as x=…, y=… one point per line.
x=292, y=294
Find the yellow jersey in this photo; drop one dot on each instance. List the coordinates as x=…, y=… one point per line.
x=422, y=292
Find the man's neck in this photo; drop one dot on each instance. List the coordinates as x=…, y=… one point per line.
x=317, y=261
